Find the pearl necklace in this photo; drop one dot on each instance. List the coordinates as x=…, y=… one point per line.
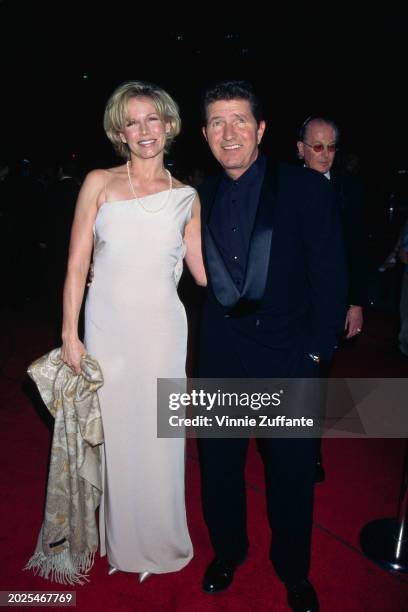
x=139, y=201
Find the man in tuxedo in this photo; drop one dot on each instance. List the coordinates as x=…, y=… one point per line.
x=275, y=304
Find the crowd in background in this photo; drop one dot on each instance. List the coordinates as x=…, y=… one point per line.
x=37, y=204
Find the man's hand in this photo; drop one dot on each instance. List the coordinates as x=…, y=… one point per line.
x=354, y=321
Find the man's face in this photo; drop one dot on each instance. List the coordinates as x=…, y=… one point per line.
x=233, y=135
x=322, y=136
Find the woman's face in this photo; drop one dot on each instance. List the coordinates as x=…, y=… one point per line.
x=144, y=131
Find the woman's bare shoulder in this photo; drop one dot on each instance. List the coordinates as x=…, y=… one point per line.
x=103, y=174
x=116, y=170
x=100, y=177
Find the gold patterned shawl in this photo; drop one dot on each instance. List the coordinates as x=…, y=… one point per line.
x=68, y=538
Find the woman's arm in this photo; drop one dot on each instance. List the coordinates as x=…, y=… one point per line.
x=192, y=239
x=80, y=250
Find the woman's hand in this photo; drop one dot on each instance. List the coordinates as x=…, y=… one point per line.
x=71, y=353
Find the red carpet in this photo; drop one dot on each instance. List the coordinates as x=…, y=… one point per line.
x=362, y=484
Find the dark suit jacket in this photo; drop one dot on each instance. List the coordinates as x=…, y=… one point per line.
x=350, y=197
x=294, y=296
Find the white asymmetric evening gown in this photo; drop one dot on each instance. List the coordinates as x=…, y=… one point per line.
x=136, y=327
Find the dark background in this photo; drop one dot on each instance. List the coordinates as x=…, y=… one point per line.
x=61, y=62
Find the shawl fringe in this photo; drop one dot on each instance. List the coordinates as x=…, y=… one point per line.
x=63, y=567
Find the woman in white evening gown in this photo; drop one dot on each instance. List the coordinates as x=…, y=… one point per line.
x=140, y=223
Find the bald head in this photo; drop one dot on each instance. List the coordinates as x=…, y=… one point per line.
x=317, y=144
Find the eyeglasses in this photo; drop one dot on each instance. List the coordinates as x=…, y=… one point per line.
x=318, y=148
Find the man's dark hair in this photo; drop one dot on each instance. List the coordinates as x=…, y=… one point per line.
x=320, y=119
x=231, y=90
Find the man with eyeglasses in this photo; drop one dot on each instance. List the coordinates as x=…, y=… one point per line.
x=317, y=145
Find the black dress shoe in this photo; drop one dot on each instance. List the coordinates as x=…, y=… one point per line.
x=319, y=473
x=219, y=574
x=302, y=597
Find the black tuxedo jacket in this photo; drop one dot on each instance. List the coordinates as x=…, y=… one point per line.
x=293, y=299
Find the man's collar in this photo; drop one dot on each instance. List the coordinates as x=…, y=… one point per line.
x=255, y=169
x=326, y=174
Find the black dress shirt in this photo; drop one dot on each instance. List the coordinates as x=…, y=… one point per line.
x=233, y=216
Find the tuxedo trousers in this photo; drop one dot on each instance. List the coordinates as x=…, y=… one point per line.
x=289, y=468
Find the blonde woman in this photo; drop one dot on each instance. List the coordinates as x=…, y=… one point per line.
x=141, y=222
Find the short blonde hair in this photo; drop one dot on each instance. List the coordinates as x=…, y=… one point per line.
x=116, y=110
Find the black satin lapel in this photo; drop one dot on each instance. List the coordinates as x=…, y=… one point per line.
x=222, y=284
x=258, y=257
x=260, y=243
